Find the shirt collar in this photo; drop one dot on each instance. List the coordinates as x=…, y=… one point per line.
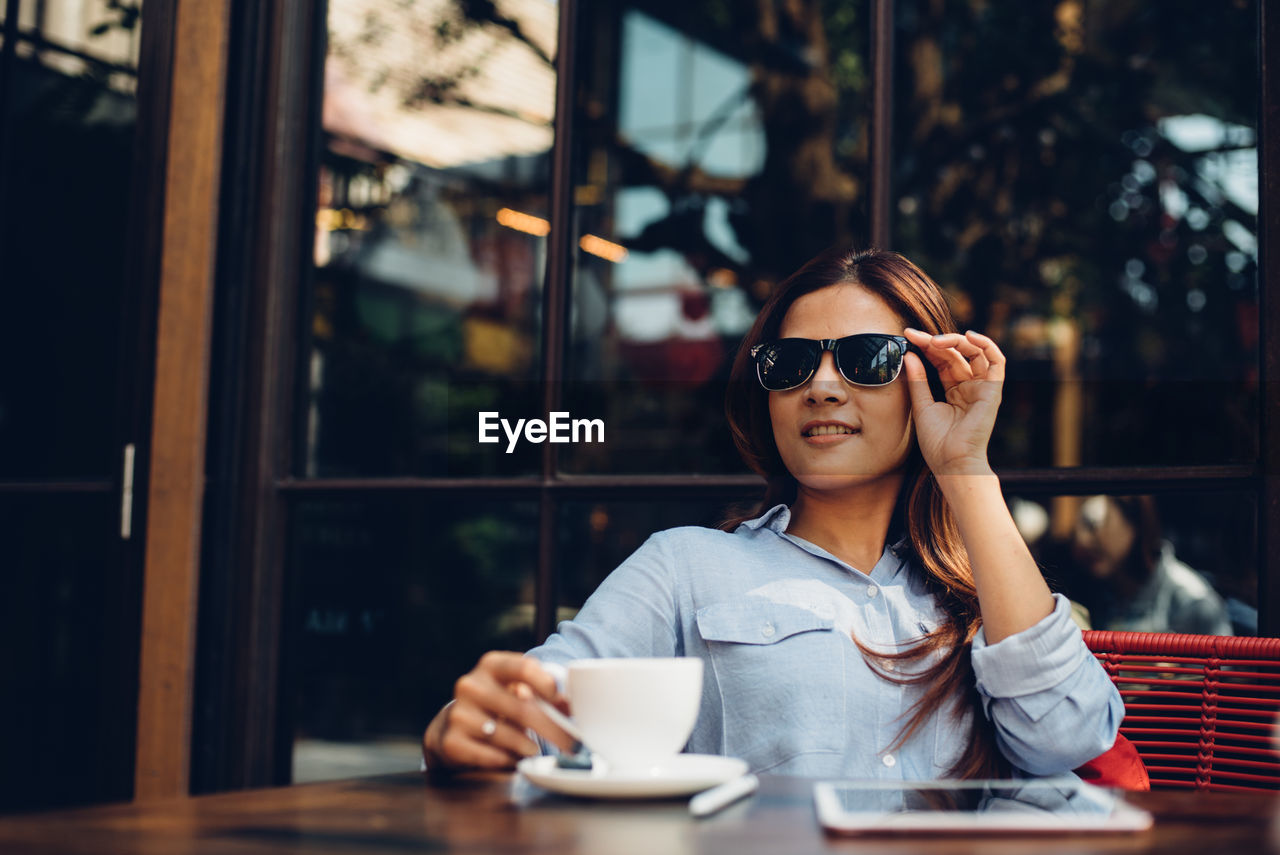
x=900, y=550
x=778, y=517
x=775, y=519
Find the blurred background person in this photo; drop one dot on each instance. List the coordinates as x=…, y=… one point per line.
x=1130, y=578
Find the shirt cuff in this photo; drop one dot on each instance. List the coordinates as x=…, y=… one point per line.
x=1034, y=660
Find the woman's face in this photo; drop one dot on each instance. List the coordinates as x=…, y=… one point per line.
x=1102, y=538
x=873, y=431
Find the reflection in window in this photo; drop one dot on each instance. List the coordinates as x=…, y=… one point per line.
x=723, y=145
x=95, y=39
x=1184, y=562
x=1088, y=194
x=598, y=536
x=396, y=600
x=430, y=234
x=66, y=178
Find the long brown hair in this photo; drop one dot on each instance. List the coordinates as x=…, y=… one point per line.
x=921, y=513
x=1142, y=515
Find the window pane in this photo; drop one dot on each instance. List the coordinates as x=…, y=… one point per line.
x=430, y=235
x=397, y=599
x=95, y=38
x=721, y=148
x=64, y=189
x=595, y=537
x=1180, y=562
x=70, y=638
x=1088, y=194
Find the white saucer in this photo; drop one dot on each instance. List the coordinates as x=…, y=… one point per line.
x=678, y=776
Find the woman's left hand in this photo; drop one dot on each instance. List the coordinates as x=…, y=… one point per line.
x=953, y=433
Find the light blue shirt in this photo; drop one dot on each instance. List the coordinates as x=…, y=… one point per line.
x=786, y=689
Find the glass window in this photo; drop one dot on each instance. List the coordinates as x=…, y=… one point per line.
x=430, y=237
x=1177, y=562
x=1088, y=194
x=720, y=147
x=67, y=175
x=396, y=600
x=597, y=536
x=71, y=642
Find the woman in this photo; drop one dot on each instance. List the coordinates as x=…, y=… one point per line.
x=880, y=616
x=1131, y=579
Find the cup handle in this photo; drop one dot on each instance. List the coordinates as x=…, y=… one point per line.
x=561, y=675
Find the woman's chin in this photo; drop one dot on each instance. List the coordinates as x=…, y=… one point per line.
x=836, y=481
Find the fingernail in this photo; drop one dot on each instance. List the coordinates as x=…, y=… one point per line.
x=912, y=329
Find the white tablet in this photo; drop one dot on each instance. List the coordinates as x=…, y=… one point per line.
x=975, y=807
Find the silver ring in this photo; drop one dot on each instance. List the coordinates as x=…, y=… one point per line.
x=489, y=728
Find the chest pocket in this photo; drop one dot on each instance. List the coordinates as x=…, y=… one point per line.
x=781, y=673
x=763, y=623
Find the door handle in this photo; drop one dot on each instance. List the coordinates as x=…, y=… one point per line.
x=126, y=494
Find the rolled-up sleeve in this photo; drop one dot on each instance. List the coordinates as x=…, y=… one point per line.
x=1053, y=706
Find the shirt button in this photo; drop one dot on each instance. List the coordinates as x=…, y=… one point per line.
x=767, y=630
x=889, y=760
x=872, y=590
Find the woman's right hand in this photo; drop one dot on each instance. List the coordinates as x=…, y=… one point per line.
x=486, y=724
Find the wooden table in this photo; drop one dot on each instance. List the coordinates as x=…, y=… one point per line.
x=496, y=813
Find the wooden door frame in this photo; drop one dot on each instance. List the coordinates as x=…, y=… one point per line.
x=242, y=110
x=175, y=480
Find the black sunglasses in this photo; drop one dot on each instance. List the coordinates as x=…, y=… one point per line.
x=866, y=359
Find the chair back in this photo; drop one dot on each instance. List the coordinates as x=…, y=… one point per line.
x=1200, y=709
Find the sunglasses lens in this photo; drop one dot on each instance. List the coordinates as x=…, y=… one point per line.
x=869, y=360
x=786, y=364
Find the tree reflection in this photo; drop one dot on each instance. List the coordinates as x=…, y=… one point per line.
x=1052, y=183
x=1077, y=175
x=1043, y=172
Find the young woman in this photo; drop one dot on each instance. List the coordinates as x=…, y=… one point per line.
x=1130, y=578
x=879, y=616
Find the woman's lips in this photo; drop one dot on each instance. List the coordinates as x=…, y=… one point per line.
x=829, y=439
x=825, y=433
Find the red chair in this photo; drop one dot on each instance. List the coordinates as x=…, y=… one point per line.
x=1200, y=709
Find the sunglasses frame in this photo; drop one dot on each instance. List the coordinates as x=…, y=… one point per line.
x=833, y=345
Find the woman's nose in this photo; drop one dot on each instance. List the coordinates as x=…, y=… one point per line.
x=826, y=384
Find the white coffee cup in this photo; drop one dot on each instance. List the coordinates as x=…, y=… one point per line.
x=635, y=713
